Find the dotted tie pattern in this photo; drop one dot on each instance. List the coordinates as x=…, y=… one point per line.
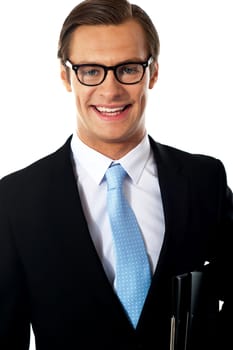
x=133, y=275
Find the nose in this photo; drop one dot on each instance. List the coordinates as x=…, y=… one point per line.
x=111, y=86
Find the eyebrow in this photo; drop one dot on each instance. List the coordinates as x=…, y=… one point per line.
x=101, y=64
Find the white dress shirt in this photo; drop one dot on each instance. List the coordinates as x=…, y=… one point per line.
x=141, y=189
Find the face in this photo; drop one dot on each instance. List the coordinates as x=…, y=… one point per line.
x=110, y=116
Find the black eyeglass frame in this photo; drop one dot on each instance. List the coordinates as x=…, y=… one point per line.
x=76, y=67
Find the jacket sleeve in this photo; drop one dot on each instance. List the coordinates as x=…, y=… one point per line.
x=14, y=311
x=225, y=264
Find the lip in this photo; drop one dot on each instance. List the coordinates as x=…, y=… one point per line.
x=111, y=112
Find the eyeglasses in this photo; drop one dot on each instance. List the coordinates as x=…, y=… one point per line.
x=94, y=74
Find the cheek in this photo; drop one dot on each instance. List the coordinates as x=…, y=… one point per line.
x=143, y=103
x=81, y=99
x=142, y=97
x=78, y=104
x=142, y=100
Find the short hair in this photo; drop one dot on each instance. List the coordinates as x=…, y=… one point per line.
x=106, y=12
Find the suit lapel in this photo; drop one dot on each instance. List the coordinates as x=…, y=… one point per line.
x=77, y=243
x=69, y=213
x=174, y=192
x=174, y=188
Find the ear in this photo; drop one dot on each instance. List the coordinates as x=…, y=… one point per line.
x=154, y=75
x=65, y=78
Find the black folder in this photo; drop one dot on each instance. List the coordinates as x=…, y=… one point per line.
x=194, y=310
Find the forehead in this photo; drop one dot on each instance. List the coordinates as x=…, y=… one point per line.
x=108, y=43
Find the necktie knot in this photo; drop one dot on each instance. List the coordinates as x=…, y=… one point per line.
x=115, y=176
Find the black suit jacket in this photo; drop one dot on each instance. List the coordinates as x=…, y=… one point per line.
x=51, y=275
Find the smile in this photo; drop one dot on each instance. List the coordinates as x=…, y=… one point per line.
x=111, y=111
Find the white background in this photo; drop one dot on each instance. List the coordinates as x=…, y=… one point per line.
x=191, y=106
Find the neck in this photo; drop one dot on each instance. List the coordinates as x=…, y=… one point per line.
x=113, y=150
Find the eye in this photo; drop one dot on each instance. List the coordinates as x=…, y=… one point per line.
x=90, y=71
x=129, y=69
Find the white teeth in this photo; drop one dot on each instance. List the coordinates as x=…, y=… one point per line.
x=109, y=110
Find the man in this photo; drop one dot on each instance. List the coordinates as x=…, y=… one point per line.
x=57, y=258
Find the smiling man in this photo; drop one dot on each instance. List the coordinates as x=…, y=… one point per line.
x=90, y=262
x=111, y=97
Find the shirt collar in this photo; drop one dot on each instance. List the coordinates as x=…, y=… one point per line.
x=96, y=164
x=135, y=161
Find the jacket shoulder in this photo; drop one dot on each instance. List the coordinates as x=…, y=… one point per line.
x=178, y=158
x=37, y=173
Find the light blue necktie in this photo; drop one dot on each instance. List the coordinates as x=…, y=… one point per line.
x=133, y=275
